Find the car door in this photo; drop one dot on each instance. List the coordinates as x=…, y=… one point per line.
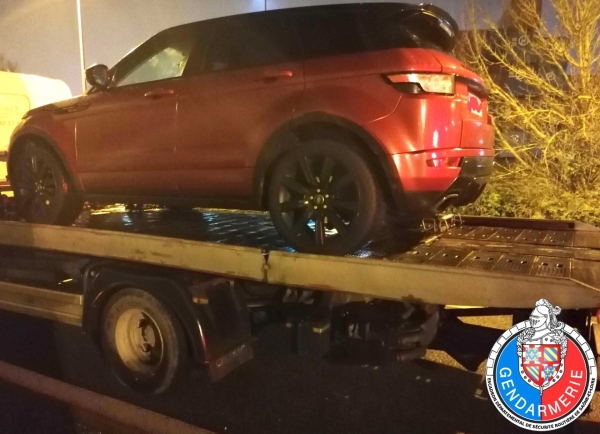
x=250, y=83
x=126, y=138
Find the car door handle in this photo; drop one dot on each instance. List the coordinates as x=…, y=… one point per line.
x=159, y=93
x=272, y=75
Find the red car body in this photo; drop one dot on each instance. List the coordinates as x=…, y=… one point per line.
x=210, y=138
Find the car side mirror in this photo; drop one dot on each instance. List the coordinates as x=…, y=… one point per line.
x=97, y=76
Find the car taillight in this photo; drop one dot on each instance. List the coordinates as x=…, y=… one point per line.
x=431, y=83
x=444, y=162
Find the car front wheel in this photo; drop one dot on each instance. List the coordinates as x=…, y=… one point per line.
x=324, y=198
x=42, y=190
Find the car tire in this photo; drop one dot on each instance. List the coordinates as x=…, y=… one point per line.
x=143, y=341
x=42, y=189
x=324, y=198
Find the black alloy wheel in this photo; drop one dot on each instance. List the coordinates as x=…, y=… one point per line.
x=323, y=198
x=42, y=190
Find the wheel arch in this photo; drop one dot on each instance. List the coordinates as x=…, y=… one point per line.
x=41, y=139
x=110, y=280
x=321, y=125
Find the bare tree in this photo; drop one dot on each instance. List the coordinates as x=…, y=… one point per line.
x=7, y=65
x=545, y=101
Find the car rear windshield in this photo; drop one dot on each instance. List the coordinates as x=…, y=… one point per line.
x=325, y=34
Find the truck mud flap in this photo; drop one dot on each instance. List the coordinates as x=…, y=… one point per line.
x=225, y=322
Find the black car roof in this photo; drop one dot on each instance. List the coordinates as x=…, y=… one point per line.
x=383, y=7
x=340, y=7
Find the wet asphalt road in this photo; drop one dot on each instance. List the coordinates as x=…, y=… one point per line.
x=24, y=412
x=277, y=392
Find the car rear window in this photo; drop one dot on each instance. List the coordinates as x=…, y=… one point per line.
x=326, y=34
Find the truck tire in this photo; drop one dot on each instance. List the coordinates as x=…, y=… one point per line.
x=324, y=198
x=143, y=341
x=43, y=191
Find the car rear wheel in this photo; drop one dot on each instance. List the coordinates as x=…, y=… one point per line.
x=42, y=190
x=324, y=198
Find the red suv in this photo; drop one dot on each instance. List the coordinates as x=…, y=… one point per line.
x=327, y=116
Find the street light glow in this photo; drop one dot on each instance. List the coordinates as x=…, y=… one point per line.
x=81, y=58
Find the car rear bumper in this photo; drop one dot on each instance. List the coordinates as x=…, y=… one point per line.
x=429, y=190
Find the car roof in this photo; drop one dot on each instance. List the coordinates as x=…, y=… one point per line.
x=339, y=8
x=380, y=9
x=332, y=8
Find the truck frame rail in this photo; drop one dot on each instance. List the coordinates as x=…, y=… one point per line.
x=492, y=262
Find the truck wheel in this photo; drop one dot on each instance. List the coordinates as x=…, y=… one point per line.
x=42, y=189
x=324, y=198
x=143, y=341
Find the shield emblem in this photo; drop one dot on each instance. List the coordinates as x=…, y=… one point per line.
x=541, y=366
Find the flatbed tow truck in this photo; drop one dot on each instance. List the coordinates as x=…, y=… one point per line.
x=158, y=289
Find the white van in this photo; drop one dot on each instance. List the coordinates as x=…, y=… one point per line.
x=18, y=94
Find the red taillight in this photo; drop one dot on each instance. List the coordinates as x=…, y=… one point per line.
x=444, y=162
x=431, y=83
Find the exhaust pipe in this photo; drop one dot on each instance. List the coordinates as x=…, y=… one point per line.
x=443, y=200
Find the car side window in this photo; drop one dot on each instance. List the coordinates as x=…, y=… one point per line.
x=250, y=41
x=169, y=62
x=326, y=34
x=159, y=58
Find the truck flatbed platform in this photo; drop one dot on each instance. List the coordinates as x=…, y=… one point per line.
x=491, y=262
